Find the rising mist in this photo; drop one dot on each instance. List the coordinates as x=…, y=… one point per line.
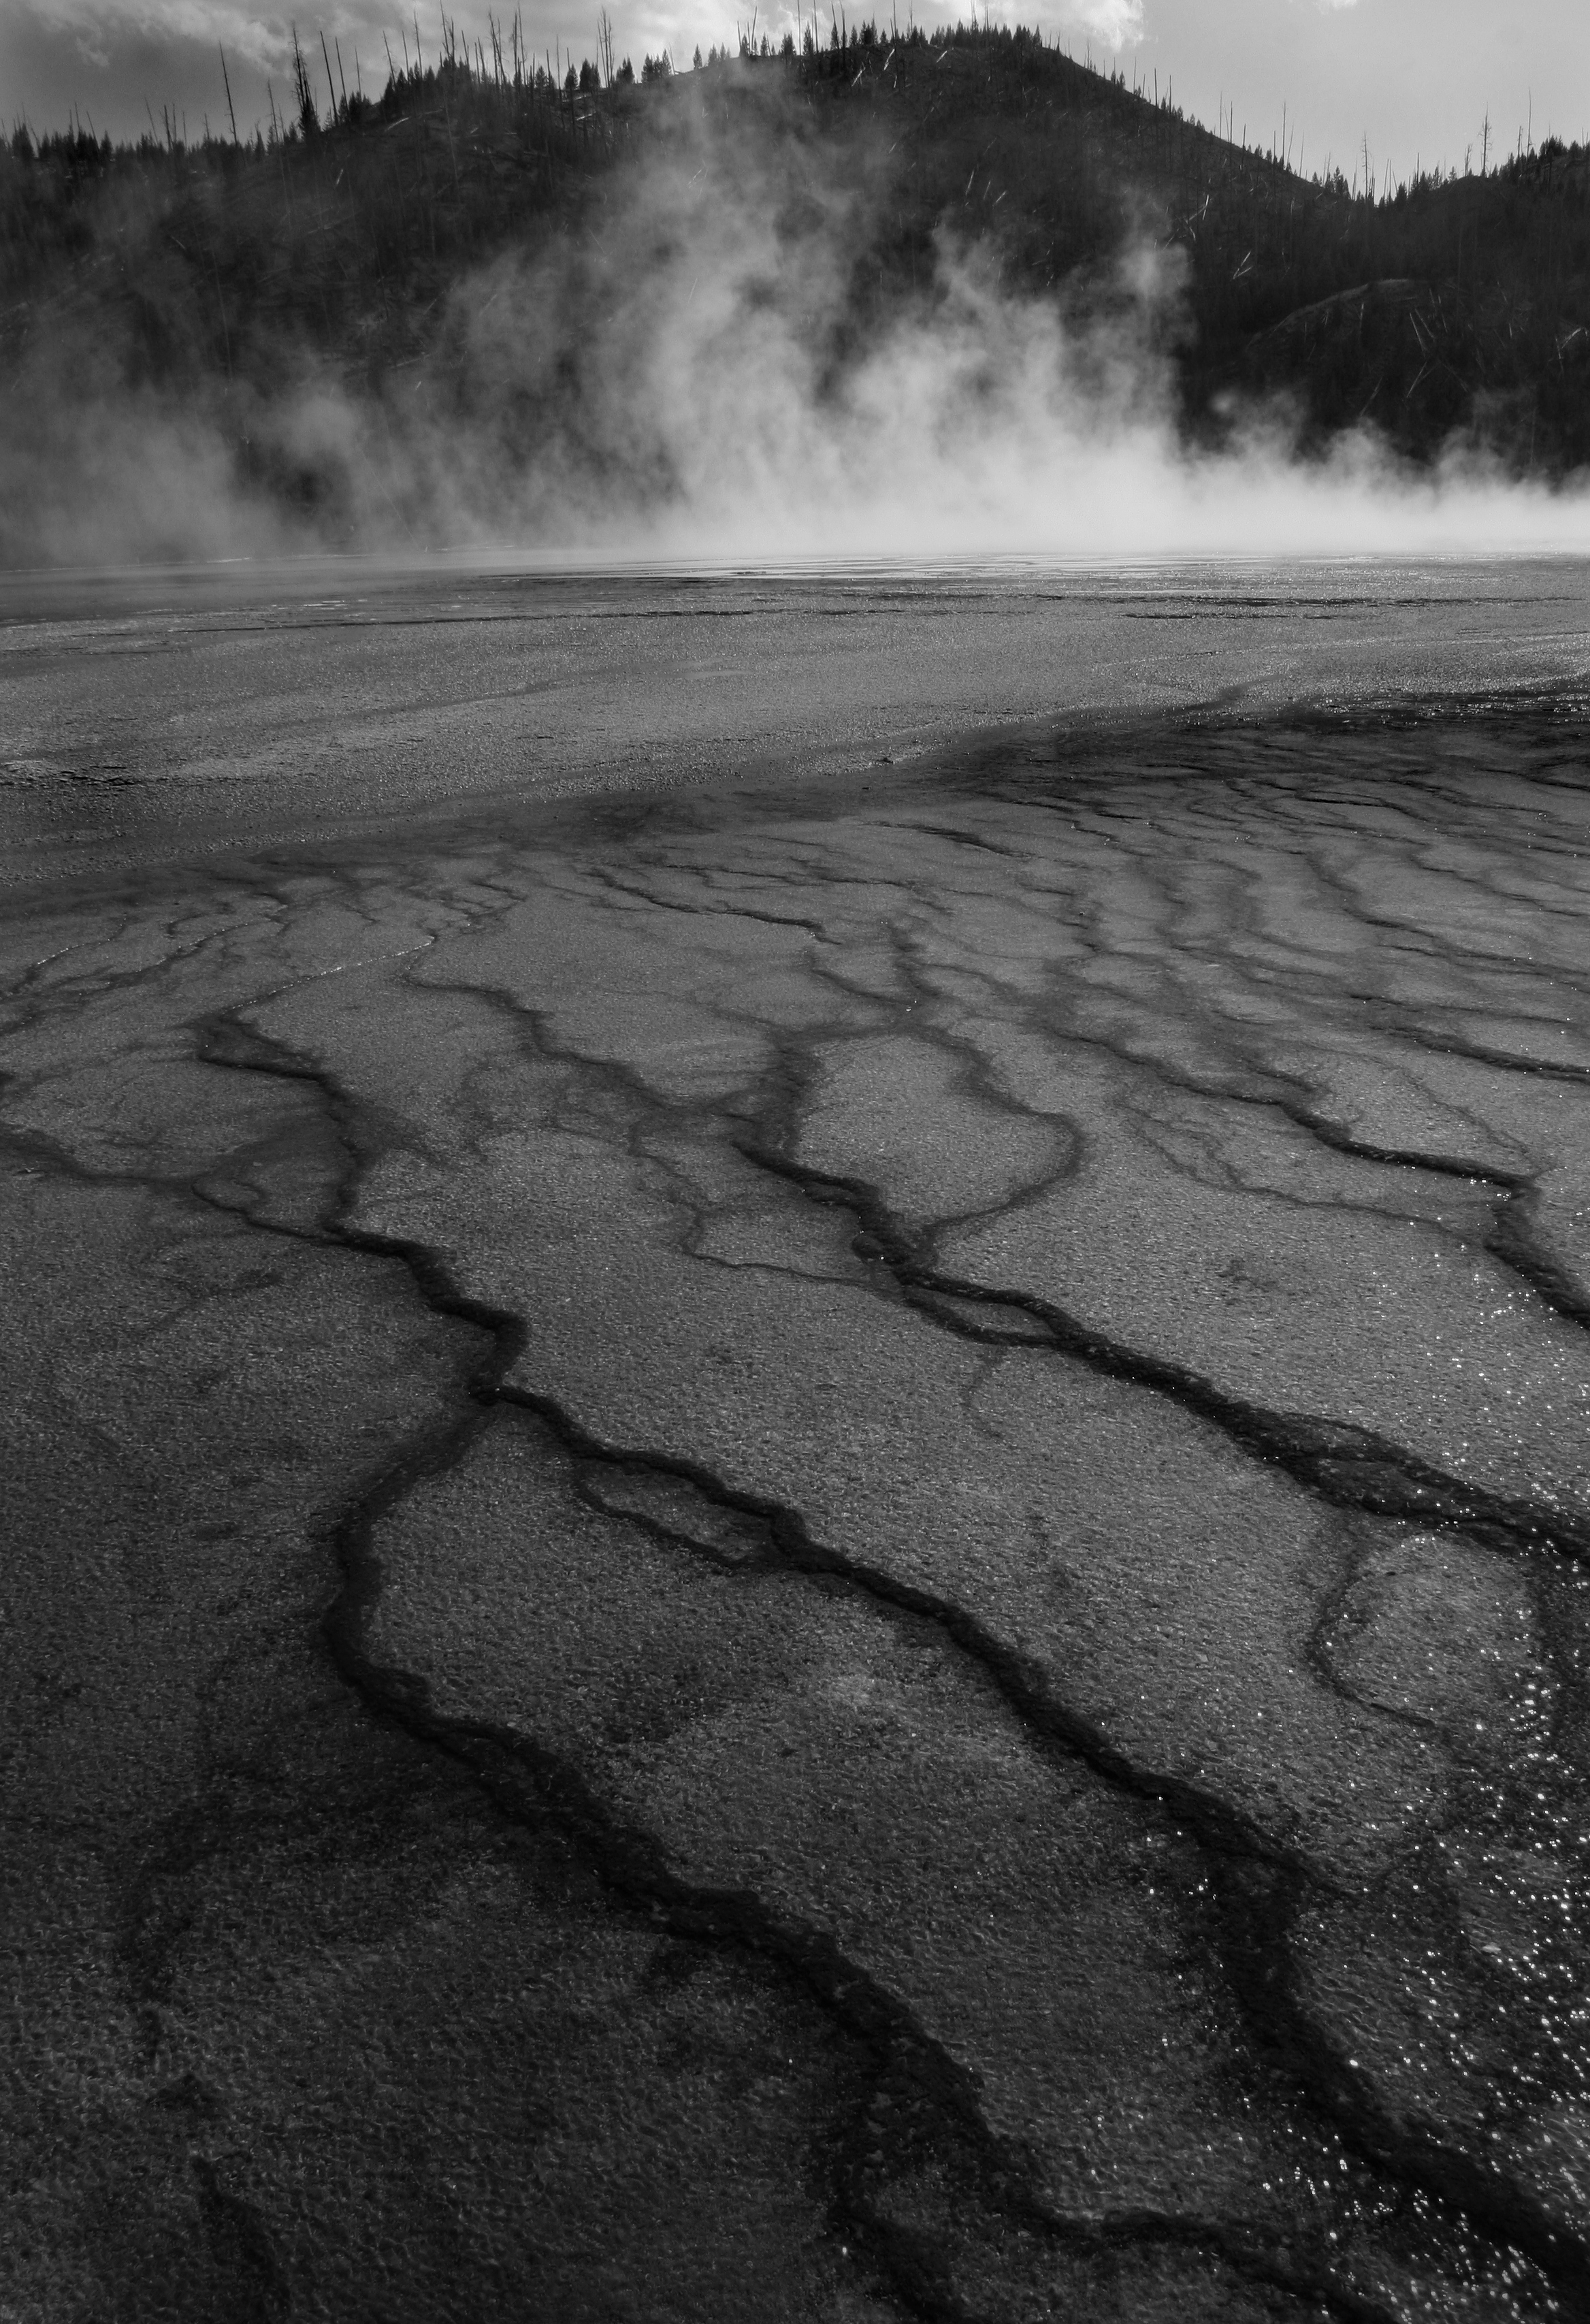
x=710, y=345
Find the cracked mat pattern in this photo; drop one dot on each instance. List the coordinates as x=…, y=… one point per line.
x=946, y=1446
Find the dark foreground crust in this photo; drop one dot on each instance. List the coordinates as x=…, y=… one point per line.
x=798, y=1560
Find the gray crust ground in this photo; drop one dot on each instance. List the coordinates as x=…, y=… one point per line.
x=797, y=1495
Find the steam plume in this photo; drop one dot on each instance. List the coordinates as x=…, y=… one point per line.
x=695, y=371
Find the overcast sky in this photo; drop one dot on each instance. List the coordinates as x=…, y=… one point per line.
x=1415, y=79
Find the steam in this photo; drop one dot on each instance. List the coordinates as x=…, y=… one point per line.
x=703, y=370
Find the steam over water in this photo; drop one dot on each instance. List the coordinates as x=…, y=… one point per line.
x=694, y=370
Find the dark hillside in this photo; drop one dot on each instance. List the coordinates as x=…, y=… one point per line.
x=212, y=275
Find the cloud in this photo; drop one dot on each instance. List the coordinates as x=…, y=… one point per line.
x=101, y=29
x=1112, y=23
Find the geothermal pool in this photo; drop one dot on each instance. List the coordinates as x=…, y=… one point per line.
x=800, y=1394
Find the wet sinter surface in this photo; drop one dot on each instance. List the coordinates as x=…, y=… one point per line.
x=945, y=1426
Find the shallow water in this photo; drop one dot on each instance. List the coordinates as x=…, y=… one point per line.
x=937, y=1373
x=144, y=716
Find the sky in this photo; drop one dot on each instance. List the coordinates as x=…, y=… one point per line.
x=1394, y=82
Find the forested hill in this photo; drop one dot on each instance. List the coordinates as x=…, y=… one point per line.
x=1448, y=310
